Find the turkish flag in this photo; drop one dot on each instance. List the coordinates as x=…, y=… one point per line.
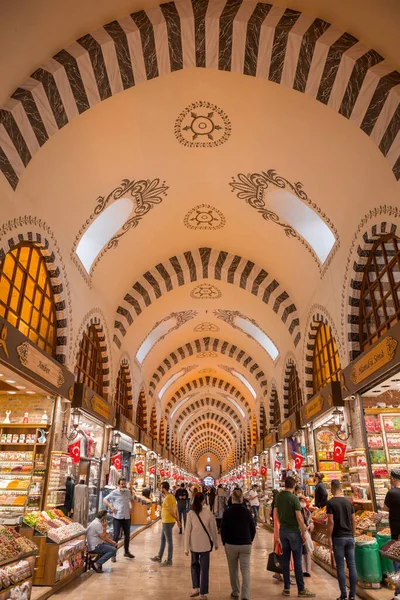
x=277, y=465
x=162, y=472
x=339, y=450
x=75, y=451
x=255, y=472
x=168, y=474
x=116, y=461
x=152, y=470
x=139, y=468
x=298, y=460
x=263, y=471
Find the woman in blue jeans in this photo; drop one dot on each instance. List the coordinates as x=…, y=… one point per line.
x=341, y=528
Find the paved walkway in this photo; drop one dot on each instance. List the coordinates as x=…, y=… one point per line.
x=141, y=579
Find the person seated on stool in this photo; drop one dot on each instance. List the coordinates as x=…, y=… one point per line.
x=98, y=542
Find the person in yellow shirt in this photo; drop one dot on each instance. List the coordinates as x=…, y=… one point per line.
x=169, y=515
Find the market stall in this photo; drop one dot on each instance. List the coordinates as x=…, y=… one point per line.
x=17, y=564
x=292, y=438
x=372, y=384
x=33, y=387
x=92, y=419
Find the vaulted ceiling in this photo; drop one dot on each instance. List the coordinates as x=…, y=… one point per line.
x=222, y=122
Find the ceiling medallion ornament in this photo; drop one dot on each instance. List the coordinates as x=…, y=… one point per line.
x=202, y=125
x=253, y=188
x=204, y=216
x=206, y=326
x=205, y=291
x=207, y=371
x=207, y=354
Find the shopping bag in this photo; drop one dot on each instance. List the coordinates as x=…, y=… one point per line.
x=274, y=563
x=308, y=542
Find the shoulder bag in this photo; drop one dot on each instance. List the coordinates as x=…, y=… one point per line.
x=206, y=530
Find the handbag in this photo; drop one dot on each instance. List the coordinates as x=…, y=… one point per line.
x=206, y=530
x=274, y=563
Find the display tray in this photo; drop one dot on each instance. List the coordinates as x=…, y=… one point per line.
x=3, y=563
x=385, y=551
x=73, y=537
x=10, y=587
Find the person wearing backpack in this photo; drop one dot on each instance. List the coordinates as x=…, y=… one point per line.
x=200, y=538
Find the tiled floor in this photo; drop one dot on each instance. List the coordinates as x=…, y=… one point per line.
x=140, y=579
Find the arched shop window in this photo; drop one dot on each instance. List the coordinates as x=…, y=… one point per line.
x=141, y=411
x=294, y=391
x=153, y=423
x=89, y=367
x=326, y=362
x=121, y=393
x=26, y=296
x=380, y=291
x=161, y=435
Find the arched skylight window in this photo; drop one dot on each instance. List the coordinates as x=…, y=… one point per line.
x=256, y=333
x=170, y=382
x=154, y=336
x=100, y=232
x=304, y=220
x=245, y=382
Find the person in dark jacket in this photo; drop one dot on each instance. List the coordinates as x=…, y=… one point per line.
x=237, y=534
x=211, y=498
x=321, y=493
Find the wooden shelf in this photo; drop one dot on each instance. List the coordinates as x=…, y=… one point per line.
x=24, y=425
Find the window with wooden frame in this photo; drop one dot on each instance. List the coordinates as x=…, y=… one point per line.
x=254, y=432
x=380, y=291
x=263, y=422
x=122, y=392
x=326, y=362
x=275, y=409
x=294, y=391
x=141, y=411
x=26, y=296
x=153, y=423
x=161, y=434
x=89, y=366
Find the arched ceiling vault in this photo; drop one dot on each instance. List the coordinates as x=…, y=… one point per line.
x=214, y=405
x=221, y=424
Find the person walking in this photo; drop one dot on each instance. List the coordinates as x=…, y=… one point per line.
x=221, y=505
x=292, y=535
x=120, y=503
x=200, y=538
x=169, y=516
x=237, y=534
x=181, y=496
x=98, y=542
x=307, y=559
x=190, y=498
x=321, y=493
x=341, y=529
x=212, y=498
x=254, y=500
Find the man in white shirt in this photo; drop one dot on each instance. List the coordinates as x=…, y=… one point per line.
x=98, y=542
x=120, y=502
x=252, y=496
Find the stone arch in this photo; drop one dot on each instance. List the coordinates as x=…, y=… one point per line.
x=211, y=404
x=153, y=423
x=227, y=36
x=317, y=316
x=263, y=421
x=362, y=254
x=99, y=323
x=204, y=345
x=199, y=264
x=56, y=280
x=224, y=424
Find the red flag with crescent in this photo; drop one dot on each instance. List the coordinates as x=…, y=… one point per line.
x=255, y=472
x=298, y=460
x=116, y=461
x=75, y=451
x=162, y=472
x=152, y=470
x=277, y=465
x=339, y=450
x=168, y=474
x=263, y=471
x=139, y=468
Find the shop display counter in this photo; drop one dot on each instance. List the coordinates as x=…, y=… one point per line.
x=141, y=511
x=59, y=561
x=18, y=573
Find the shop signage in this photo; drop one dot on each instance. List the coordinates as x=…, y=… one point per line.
x=126, y=426
x=252, y=452
x=269, y=440
x=34, y=360
x=146, y=440
x=319, y=404
x=289, y=426
x=374, y=359
x=89, y=401
x=157, y=447
x=259, y=447
x=17, y=352
x=373, y=364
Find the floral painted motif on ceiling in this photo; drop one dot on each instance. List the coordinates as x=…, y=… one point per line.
x=204, y=216
x=202, y=125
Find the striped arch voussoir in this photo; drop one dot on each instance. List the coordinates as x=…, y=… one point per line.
x=203, y=345
x=364, y=248
x=213, y=404
x=43, y=245
x=257, y=39
x=200, y=264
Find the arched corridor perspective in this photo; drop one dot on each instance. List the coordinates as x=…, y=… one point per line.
x=199, y=276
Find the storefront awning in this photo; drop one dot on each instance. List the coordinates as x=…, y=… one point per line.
x=269, y=440
x=321, y=403
x=19, y=354
x=89, y=401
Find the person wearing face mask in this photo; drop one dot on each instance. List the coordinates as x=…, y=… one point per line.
x=307, y=560
x=120, y=503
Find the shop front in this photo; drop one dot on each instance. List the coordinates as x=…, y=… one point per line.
x=33, y=387
x=371, y=386
x=323, y=419
x=91, y=422
x=292, y=438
